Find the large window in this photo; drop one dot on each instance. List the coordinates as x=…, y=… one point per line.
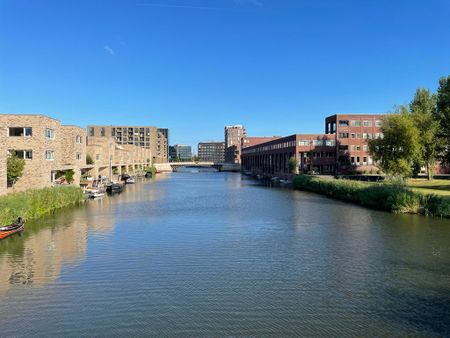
x=378, y=123
x=24, y=154
x=78, y=139
x=91, y=131
x=343, y=135
x=343, y=123
x=330, y=143
x=102, y=132
x=304, y=143
x=356, y=123
x=49, y=133
x=49, y=155
x=20, y=131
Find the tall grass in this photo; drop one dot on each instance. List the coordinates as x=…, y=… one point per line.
x=37, y=203
x=389, y=196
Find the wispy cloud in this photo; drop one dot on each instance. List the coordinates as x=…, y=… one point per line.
x=179, y=6
x=248, y=2
x=109, y=50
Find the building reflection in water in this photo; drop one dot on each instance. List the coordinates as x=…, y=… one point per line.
x=51, y=243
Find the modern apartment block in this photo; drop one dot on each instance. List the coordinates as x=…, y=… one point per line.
x=47, y=147
x=233, y=137
x=211, y=151
x=156, y=139
x=180, y=152
x=353, y=131
x=310, y=151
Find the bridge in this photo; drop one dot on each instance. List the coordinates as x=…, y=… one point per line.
x=173, y=166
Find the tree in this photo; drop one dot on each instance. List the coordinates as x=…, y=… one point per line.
x=443, y=116
x=89, y=159
x=399, y=148
x=293, y=164
x=423, y=113
x=14, y=168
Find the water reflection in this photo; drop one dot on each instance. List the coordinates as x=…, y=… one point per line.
x=214, y=254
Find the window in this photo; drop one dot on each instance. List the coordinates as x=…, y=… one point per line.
x=330, y=143
x=113, y=132
x=358, y=148
x=364, y=136
x=378, y=123
x=318, y=142
x=343, y=147
x=20, y=131
x=78, y=156
x=367, y=123
x=364, y=160
x=49, y=133
x=358, y=135
x=353, y=135
x=343, y=123
x=78, y=139
x=365, y=148
x=102, y=132
x=352, y=148
x=24, y=154
x=343, y=135
x=91, y=132
x=356, y=123
x=49, y=155
x=97, y=157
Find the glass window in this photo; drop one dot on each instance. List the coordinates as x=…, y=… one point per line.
x=78, y=156
x=367, y=123
x=378, y=123
x=78, y=139
x=91, y=132
x=102, y=132
x=49, y=155
x=356, y=123
x=49, y=133
x=343, y=135
x=20, y=131
x=24, y=154
x=343, y=123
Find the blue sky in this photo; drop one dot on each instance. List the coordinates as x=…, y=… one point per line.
x=277, y=66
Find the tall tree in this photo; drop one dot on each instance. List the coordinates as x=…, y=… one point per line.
x=423, y=113
x=399, y=147
x=443, y=116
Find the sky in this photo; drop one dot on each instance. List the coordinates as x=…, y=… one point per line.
x=277, y=66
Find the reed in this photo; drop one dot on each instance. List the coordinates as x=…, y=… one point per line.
x=34, y=204
x=390, y=196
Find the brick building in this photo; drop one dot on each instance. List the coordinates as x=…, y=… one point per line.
x=311, y=152
x=250, y=141
x=153, y=138
x=233, y=136
x=46, y=146
x=3, y=159
x=352, y=134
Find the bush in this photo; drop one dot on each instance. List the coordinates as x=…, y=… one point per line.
x=14, y=169
x=89, y=159
x=152, y=170
x=392, y=196
x=34, y=204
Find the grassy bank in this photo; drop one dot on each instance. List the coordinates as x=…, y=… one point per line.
x=34, y=204
x=387, y=196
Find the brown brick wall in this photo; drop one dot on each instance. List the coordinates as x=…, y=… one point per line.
x=3, y=157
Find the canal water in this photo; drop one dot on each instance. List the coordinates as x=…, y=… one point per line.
x=217, y=254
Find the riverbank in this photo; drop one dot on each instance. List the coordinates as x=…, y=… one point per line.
x=34, y=204
x=393, y=197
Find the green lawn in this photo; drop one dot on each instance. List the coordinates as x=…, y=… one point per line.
x=437, y=187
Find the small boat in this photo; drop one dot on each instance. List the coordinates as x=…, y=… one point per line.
x=114, y=188
x=131, y=180
x=148, y=175
x=94, y=193
x=12, y=229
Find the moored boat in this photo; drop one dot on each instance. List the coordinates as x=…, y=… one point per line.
x=12, y=229
x=114, y=188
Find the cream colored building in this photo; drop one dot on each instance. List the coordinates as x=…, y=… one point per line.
x=46, y=146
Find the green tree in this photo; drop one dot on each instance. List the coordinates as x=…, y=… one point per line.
x=423, y=113
x=399, y=148
x=443, y=116
x=14, y=168
x=69, y=174
x=293, y=164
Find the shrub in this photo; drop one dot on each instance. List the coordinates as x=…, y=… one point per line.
x=14, y=169
x=89, y=159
